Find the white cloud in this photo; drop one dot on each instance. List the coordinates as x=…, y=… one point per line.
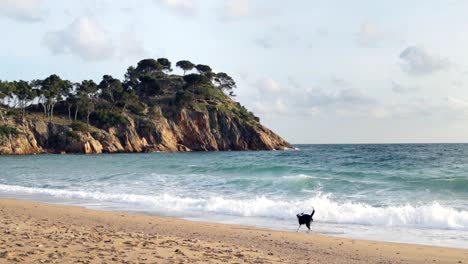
x=270, y=86
x=236, y=9
x=84, y=37
x=274, y=97
x=270, y=106
x=349, y=96
x=344, y=102
x=23, y=10
x=419, y=61
x=348, y=102
x=448, y=108
x=182, y=7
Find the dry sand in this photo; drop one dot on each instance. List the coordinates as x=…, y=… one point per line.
x=41, y=233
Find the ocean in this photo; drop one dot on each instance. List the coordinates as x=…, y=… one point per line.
x=409, y=193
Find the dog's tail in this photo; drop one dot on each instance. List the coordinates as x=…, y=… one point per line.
x=313, y=212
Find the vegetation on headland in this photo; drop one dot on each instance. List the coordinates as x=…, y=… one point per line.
x=105, y=104
x=150, y=109
x=6, y=131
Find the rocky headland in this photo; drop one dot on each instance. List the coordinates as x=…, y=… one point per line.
x=150, y=111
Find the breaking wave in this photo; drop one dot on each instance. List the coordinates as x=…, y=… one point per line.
x=432, y=216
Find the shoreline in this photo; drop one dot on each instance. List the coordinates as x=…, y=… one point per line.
x=36, y=231
x=60, y=153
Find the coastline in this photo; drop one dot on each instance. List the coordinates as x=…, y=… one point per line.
x=37, y=232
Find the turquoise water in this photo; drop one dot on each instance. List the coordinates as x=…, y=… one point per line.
x=404, y=193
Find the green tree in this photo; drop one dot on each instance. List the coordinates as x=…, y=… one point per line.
x=111, y=89
x=193, y=80
x=128, y=97
x=166, y=64
x=86, y=104
x=51, y=92
x=224, y=81
x=131, y=79
x=3, y=94
x=149, y=86
x=88, y=87
x=149, y=66
x=24, y=95
x=3, y=89
x=203, y=69
x=8, y=92
x=86, y=93
x=72, y=100
x=185, y=65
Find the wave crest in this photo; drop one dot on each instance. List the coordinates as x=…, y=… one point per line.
x=433, y=216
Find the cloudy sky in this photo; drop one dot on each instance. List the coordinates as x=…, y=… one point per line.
x=360, y=71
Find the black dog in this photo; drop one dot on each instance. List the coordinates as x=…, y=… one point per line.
x=305, y=219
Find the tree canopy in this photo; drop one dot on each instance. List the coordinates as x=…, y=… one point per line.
x=203, y=69
x=185, y=65
x=149, y=66
x=149, y=83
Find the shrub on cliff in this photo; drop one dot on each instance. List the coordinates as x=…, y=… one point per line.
x=107, y=119
x=79, y=126
x=208, y=92
x=183, y=98
x=72, y=136
x=137, y=108
x=6, y=131
x=146, y=128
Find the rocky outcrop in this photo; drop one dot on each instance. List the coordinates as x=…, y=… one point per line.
x=186, y=130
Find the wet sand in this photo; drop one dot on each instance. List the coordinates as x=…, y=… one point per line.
x=42, y=233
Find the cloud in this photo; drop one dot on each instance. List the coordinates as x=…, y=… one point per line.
x=273, y=97
x=419, y=61
x=84, y=37
x=181, y=7
x=448, y=108
x=348, y=96
x=270, y=86
x=274, y=106
x=345, y=102
x=234, y=9
x=22, y=10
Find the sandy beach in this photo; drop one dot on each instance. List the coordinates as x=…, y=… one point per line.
x=42, y=233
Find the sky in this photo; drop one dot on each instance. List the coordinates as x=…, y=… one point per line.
x=360, y=71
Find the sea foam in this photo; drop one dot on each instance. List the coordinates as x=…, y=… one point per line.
x=431, y=216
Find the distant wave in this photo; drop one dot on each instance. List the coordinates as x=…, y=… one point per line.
x=300, y=176
x=432, y=215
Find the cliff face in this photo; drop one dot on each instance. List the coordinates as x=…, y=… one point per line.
x=185, y=130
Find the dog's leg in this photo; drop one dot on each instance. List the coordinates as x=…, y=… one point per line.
x=308, y=227
x=298, y=228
